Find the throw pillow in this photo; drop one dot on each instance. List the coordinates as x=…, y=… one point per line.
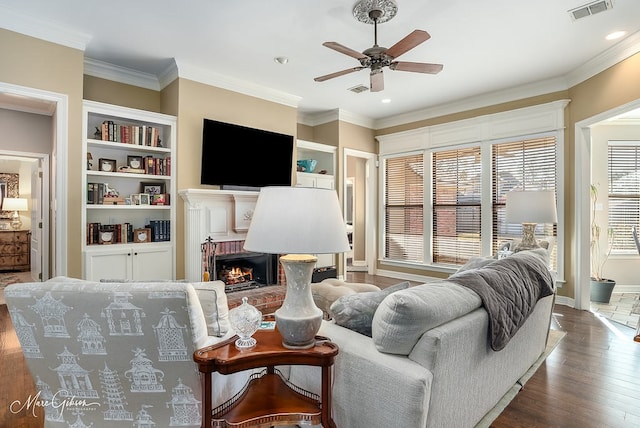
x=214, y=304
x=329, y=290
x=355, y=311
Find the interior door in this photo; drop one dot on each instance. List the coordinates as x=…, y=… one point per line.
x=36, y=220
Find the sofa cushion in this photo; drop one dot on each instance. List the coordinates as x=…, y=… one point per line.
x=404, y=316
x=213, y=300
x=355, y=311
x=331, y=289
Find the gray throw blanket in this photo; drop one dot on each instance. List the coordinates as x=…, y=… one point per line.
x=509, y=289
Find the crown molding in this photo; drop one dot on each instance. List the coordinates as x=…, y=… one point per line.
x=41, y=29
x=169, y=74
x=105, y=70
x=617, y=53
x=315, y=119
x=207, y=77
x=479, y=101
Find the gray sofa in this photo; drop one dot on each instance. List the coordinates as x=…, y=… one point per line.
x=435, y=368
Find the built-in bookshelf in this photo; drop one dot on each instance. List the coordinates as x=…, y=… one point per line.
x=128, y=211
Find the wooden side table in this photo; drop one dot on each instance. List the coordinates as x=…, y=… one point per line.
x=267, y=399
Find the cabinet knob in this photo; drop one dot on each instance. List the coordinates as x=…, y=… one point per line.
x=128, y=254
x=135, y=254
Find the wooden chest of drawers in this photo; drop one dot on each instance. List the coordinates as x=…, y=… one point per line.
x=15, y=250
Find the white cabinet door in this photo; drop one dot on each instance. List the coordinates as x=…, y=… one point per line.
x=305, y=180
x=321, y=181
x=324, y=182
x=142, y=262
x=113, y=263
x=152, y=263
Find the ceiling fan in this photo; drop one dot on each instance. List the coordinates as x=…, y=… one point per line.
x=377, y=57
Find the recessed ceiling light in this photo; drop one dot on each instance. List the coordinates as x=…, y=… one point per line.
x=281, y=60
x=615, y=35
x=386, y=101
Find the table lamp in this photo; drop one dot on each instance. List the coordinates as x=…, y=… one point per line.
x=297, y=222
x=530, y=208
x=15, y=205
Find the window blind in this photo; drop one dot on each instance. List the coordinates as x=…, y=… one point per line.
x=457, y=198
x=404, y=208
x=521, y=165
x=624, y=193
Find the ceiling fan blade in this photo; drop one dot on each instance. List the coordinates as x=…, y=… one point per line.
x=337, y=74
x=408, y=43
x=416, y=67
x=377, y=81
x=344, y=50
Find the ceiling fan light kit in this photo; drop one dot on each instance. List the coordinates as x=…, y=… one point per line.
x=377, y=57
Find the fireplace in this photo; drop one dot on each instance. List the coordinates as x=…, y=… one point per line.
x=238, y=269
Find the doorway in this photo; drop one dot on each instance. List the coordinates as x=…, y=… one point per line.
x=582, y=178
x=52, y=241
x=359, y=208
x=31, y=170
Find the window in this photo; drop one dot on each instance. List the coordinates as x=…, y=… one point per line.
x=521, y=165
x=457, y=198
x=404, y=211
x=624, y=193
x=452, y=208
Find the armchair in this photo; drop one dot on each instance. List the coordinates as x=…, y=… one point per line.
x=115, y=354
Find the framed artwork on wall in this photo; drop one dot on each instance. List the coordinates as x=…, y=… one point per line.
x=8, y=189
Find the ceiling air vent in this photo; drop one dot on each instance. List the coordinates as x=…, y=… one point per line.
x=590, y=9
x=359, y=88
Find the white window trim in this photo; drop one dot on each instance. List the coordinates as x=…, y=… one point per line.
x=485, y=130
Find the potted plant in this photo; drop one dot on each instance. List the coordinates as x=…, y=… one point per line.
x=600, y=287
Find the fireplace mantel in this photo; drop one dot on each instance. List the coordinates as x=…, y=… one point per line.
x=223, y=215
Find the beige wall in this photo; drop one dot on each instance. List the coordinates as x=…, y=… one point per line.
x=305, y=132
x=197, y=101
x=34, y=63
x=121, y=94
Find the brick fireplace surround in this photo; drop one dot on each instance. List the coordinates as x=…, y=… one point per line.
x=223, y=216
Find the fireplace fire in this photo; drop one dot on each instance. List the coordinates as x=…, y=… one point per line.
x=236, y=275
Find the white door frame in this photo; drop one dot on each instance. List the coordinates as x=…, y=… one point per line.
x=370, y=204
x=582, y=179
x=58, y=198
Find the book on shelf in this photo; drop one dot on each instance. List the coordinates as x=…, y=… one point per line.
x=141, y=135
x=160, y=230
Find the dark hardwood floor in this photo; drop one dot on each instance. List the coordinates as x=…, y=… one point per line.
x=592, y=379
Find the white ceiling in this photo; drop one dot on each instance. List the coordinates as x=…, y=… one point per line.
x=492, y=50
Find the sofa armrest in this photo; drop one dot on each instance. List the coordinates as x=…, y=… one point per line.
x=362, y=375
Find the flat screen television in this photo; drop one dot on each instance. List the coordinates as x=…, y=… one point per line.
x=238, y=157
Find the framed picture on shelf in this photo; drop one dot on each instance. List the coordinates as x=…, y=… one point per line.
x=135, y=199
x=159, y=199
x=142, y=235
x=134, y=162
x=106, y=236
x=145, y=199
x=152, y=188
x=107, y=165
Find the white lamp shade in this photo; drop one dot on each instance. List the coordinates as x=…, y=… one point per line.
x=531, y=206
x=14, y=204
x=297, y=220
